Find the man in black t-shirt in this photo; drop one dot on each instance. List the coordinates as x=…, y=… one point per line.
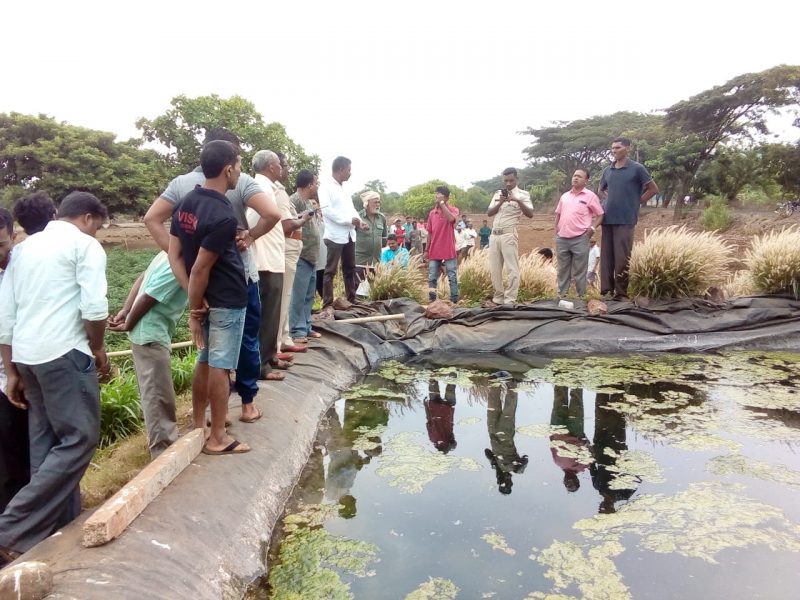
x=203, y=239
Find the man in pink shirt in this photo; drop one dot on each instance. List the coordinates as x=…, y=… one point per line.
x=442, y=244
x=578, y=214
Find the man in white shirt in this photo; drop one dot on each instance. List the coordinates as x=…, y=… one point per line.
x=341, y=219
x=53, y=312
x=471, y=235
x=594, y=260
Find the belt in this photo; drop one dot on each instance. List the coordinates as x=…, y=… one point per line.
x=502, y=231
x=297, y=234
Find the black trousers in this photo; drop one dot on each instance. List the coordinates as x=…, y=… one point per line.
x=615, y=254
x=346, y=253
x=15, y=465
x=270, y=289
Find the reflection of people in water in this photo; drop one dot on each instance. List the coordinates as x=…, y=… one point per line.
x=568, y=412
x=501, y=410
x=344, y=462
x=609, y=432
x=440, y=413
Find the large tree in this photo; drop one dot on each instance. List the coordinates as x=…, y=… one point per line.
x=418, y=200
x=183, y=127
x=735, y=110
x=40, y=153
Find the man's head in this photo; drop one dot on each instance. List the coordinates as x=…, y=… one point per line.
x=408, y=219
x=619, y=148
x=6, y=236
x=284, y=166
x=268, y=164
x=83, y=210
x=485, y=222
x=341, y=169
x=580, y=178
x=220, y=161
x=220, y=134
x=307, y=183
x=371, y=201
x=592, y=243
x=546, y=254
x=442, y=193
x=398, y=223
x=468, y=224
x=34, y=212
x=391, y=242
x=510, y=178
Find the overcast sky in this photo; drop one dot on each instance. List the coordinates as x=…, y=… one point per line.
x=409, y=91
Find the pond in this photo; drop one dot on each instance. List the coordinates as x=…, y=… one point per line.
x=601, y=478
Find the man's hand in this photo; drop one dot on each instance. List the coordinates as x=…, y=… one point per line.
x=101, y=364
x=356, y=222
x=118, y=326
x=15, y=390
x=196, y=327
x=118, y=319
x=199, y=313
x=243, y=240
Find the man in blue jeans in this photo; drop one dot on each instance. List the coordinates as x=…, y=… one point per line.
x=202, y=244
x=55, y=285
x=442, y=243
x=305, y=279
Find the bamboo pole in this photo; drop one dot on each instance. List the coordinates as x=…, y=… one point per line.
x=372, y=319
x=128, y=352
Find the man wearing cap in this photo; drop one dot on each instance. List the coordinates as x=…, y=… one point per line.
x=372, y=237
x=506, y=207
x=442, y=243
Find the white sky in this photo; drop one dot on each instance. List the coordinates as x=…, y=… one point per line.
x=409, y=91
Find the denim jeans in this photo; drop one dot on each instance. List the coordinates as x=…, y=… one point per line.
x=303, y=291
x=434, y=266
x=249, y=365
x=222, y=333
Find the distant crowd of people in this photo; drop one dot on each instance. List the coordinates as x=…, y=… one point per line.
x=248, y=260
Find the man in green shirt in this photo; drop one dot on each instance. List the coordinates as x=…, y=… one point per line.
x=371, y=239
x=151, y=312
x=484, y=233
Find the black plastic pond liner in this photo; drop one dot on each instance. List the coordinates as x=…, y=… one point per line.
x=690, y=325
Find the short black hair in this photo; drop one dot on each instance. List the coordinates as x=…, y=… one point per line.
x=6, y=221
x=221, y=134
x=34, y=212
x=546, y=253
x=339, y=163
x=77, y=204
x=443, y=190
x=622, y=140
x=510, y=171
x=217, y=155
x=304, y=179
x=585, y=171
x=392, y=237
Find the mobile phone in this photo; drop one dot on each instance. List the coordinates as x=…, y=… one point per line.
x=504, y=193
x=311, y=213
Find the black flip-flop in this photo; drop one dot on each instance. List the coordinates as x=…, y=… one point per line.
x=229, y=449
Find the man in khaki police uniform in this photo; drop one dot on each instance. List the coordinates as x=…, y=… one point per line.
x=506, y=206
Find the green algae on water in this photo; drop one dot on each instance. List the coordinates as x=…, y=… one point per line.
x=498, y=542
x=469, y=421
x=541, y=430
x=410, y=467
x=593, y=572
x=310, y=558
x=632, y=467
x=736, y=464
x=436, y=588
x=697, y=522
x=369, y=392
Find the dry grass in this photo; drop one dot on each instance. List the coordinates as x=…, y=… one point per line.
x=674, y=263
x=536, y=278
x=114, y=466
x=474, y=278
x=395, y=281
x=740, y=284
x=774, y=261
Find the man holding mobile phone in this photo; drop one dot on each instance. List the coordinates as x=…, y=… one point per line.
x=506, y=206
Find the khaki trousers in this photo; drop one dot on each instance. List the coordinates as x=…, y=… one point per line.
x=293, y=249
x=504, y=252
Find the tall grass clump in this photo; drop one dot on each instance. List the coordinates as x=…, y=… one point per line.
x=536, y=278
x=740, y=284
x=391, y=280
x=474, y=278
x=774, y=261
x=717, y=215
x=674, y=263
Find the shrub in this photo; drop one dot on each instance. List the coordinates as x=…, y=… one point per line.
x=395, y=281
x=536, y=278
x=716, y=216
x=774, y=261
x=474, y=278
x=739, y=284
x=674, y=263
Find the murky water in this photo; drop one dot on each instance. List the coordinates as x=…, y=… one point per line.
x=643, y=477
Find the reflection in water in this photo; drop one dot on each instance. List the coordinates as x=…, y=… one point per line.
x=439, y=413
x=345, y=462
x=501, y=410
x=568, y=413
x=609, y=432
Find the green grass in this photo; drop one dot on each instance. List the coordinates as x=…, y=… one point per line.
x=122, y=270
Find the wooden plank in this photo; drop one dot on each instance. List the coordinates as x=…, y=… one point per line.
x=372, y=319
x=119, y=511
x=128, y=352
